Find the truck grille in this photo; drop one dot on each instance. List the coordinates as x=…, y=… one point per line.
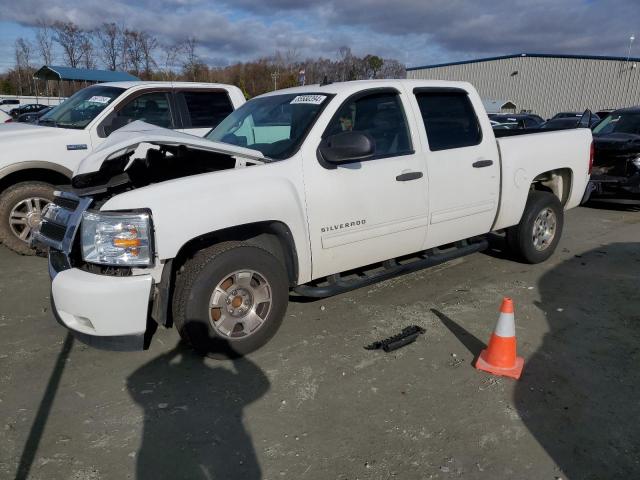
x=60, y=221
x=52, y=231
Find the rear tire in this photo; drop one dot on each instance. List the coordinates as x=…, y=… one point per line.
x=20, y=211
x=230, y=299
x=537, y=235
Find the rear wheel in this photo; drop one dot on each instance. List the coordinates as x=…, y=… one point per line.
x=230, y=299
x=21, y=208
x=537, y=235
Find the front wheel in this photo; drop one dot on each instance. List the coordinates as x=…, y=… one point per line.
x=21, y=208
x=537, y=235
x=230, y=299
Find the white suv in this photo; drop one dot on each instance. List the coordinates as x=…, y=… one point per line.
x=37, y=157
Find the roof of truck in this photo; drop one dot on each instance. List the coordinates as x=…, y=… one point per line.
x=168, y=84
x=358, y=85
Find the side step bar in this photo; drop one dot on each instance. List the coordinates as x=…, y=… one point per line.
x=341, y=282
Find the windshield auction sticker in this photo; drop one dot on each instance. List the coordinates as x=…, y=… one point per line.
x=310, y=99
x=99, y=99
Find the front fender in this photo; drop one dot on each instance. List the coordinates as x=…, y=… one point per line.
x=190, y=207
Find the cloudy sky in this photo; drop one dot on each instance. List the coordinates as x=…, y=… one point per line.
x=415, y=32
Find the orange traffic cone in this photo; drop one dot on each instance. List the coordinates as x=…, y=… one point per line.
x=500, y=357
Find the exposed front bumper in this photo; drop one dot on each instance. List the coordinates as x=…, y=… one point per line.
x=103, y=311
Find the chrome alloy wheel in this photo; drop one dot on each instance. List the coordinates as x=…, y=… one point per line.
x=25, y=216
x=544, y=229
x=240, y=304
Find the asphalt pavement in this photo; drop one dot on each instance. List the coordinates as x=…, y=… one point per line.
x=314, y=404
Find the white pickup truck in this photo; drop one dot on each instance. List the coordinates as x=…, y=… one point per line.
x=318, y=189
x=33, y=158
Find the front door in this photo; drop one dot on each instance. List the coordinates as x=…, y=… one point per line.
x=373, y=210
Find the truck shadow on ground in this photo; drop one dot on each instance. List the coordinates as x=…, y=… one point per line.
x=193, y=417
x=579, y=391
x=578, y=394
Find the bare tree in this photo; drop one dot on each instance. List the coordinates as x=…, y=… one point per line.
x=191, y=59
x=134, y=55
x=87, y=48
x=70, y=37
x=148, y=44
x=170, y=53
x=23, y=50
x=45, y=38
x=109, y=39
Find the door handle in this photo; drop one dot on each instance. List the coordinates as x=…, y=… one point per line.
x=482, y=163
x=405, y=177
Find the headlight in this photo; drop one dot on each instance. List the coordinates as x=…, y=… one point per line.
x=636, y=162
x=117, y=238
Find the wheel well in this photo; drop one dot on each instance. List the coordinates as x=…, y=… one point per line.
x=273, y=236
x=34, y=175
x=558, y=182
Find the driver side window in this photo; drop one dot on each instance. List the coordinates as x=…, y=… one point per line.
x=151, y=108
x=381, y=116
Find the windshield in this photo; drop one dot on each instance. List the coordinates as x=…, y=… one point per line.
x=82, y=107
x=619, y=123
x=275, y=125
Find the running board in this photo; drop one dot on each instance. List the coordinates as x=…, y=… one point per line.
x=341, y=282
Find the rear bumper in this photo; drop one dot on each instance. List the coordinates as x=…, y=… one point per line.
x=103, y=311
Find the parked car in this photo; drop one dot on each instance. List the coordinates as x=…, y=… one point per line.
x=295, y=190
x=561, y=123
x=576, y=115
x=28, y=108
x=616, y=166
x=37, y=157
x=506, y=126
x=33, y=117
x=523, y=120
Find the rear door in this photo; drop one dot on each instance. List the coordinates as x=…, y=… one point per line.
x=201, y=110
x=462, y=162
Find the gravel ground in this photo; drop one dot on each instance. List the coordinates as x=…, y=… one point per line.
x=313, y=404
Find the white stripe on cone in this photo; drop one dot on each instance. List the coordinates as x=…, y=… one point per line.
x=506, y=326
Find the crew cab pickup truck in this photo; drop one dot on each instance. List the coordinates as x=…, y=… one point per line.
x=34, y=158
x=317, y=190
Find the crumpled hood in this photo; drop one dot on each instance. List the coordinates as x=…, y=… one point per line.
x=130, y=137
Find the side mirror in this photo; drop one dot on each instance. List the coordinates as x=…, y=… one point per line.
x=347, y=147
x=116, y=123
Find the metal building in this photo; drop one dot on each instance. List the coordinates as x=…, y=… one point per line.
x=546, y=84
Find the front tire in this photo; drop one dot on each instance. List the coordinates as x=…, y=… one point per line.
x=230, y=299
x=21, y=208
x=537, y=235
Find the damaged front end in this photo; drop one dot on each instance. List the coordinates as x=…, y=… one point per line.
x=86, y=296
x=616, y=169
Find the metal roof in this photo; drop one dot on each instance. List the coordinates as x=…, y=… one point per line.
x=542, y=55
x=495, y=106
x=83, y=74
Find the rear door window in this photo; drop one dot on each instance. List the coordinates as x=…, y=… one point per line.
x=449, y=119
x=206, y=109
